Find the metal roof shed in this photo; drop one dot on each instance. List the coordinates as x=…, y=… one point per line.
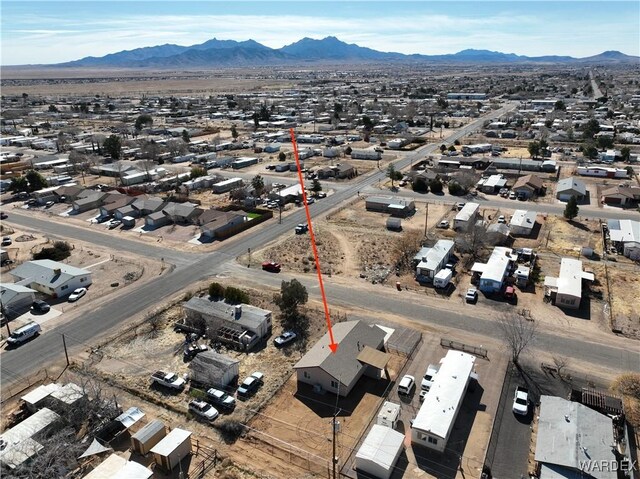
x=172, y=449
x=146, y=438
x=116, y=467
x=379, y=452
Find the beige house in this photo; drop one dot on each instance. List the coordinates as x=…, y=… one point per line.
x=359, y=352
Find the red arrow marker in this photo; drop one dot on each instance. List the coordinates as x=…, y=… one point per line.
x=332, y=344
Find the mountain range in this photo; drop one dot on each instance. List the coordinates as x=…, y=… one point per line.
x=229, y=53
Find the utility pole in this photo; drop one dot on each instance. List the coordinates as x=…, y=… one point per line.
x=280, y=209
x=5, y=316
x=334, y=428
x=64, y=344
x=426, y=219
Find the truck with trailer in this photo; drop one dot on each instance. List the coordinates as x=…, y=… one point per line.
x=168, y=380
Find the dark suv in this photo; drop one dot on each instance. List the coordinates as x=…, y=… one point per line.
x=40, y=307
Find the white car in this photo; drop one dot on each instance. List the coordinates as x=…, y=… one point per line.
x=284, y=339
x=427, y=380
x=113, y=224
x=203, y=409
x=77, y=294
x=471, y=296
x=406, y=385
x=502, y=219
x=521, y=401
x=443, y=224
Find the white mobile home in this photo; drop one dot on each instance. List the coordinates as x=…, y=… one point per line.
x=495, y=270
x=567, y=287
x=432, y=260
x=466, y=216
x=522, y=222
x=437, y=415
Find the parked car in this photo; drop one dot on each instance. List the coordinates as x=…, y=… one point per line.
x=301, y=229
x=406, y=385
x=310, y=201
x=285, y=338
x=77, y=294
x=427, y=380
x=250, y=385
x=6, y=241
x=3, y=216
x=321, y=194
x=522, y=197
x=40, y=306
x=203, y=409
x=471, y=296
x=521, y=401
x=49, y=204
x=444, y=224
x=501, y=219
x=423, y=394
x=169, y=380
x=460, y=205
x=31, y=202
x=114, y=224
x=26, y=332
x=7, y=262
x=221, y=398
x=512, y=195
x=271, y=267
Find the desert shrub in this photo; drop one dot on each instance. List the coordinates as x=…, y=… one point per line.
x=235, y=295
x=59, y=251
x=230, y=430
x=216, y=290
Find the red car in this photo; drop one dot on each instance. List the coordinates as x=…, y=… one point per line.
x=271, y=266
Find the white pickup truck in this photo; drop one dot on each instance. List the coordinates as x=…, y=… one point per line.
x=169, y=380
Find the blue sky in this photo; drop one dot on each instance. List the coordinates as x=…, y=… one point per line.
x=52, y=31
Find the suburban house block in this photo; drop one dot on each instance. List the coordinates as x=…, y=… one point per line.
x=94, y=200
x=625, y=236
x=495, y=270
x=240, y=325
x=70, y=193
x=568, y=187
x=182, y=213
x=528, y=186
x=566, y=289
x=146, y=206
x=621, y=195
x=51, y=277
x=359, y=353
x=437, y=415
x=431, y=260
x=110, y=208
x=215, y=222
x=522, y=222
x=466, y=216
x=387, y=204
x=16, y=299
x=572, y=435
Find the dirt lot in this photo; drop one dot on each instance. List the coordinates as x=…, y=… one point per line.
x=568, y=238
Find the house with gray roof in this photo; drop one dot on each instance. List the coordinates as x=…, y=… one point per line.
x=388, y=204
x=574, y=441
x=182, y=212
x=214, y=223
x=359, y=353
x=51, y=277
x=94, y=200
x=240, y=325
x=568, y=187
x=16, y=299
x=146, y=206
x=110, y=208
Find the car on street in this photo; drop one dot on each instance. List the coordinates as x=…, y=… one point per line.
x=406, y=385
x=284, y=339
x=271, y=267
x=512, y=195
x=77, y=294
x=203, y=409
x=444, y=224
x=471, y=296
x=427, y=380
x=310, y=201
x=31, y=202
x=250, y=385
x=113, y=224
x=221, y=398
x=40, y=306
x=321, y=194
x=6, y=241
x=301, y=229
x=521, y=401
x=3, y=216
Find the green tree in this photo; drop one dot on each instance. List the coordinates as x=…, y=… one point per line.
x=560, y=105
x=258, y=184
x=443, y=148
x=435, y=186
x=292, y=295
x=282, y=156
x=53, y=108
x=590, y=128
x=185, y=136
x=604, y=142
x=19, y=183
x=197, y=171
x=534, y=149
x=216, y=291
x=234, y=132
x=456, y=188
x=348, y=150
x=256, y=121
x=36, y=180
x=57, y=252
x=625, y=152
x=233, y=295
x=316, y=187
x=264, y=114
x=142, y=121
x=571, y=210
x=393, y=174
x=451, y=148
x=419, y=184
x=113, y=146
x=590, y=151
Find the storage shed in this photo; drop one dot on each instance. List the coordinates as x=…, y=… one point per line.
x=213, y=369
x=379, y=452
x=172, y=449
x=394, y=224
x=146, y=438
x=116, y=467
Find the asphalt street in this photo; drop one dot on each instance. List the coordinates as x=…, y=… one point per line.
x=192, y=267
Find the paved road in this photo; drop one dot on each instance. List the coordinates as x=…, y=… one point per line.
x=594, y=86
x=191, y=267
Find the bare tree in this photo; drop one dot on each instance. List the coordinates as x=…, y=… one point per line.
x=517, y=332
x=177, y=147
x=405, y=249
x=473, y=241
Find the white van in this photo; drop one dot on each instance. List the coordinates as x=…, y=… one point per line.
x=24, y=333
